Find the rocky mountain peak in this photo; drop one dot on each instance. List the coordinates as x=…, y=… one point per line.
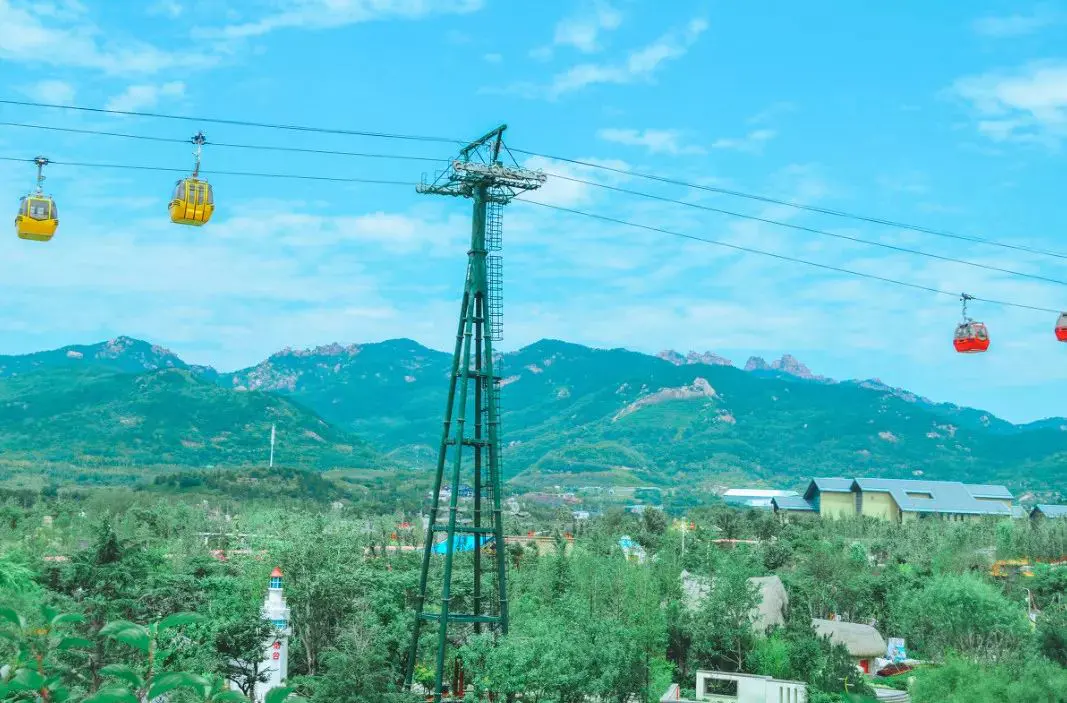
x=332, y=349
x=672, y=356
x=757, y=363
x=790, y=365
x=707, y=358
x=787, y=364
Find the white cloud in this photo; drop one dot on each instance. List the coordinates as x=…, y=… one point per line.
x=139, y=97
x=751, y=142
x=50, y=91
x=492, y=58
x=1017, y=25
x=326, y=14
x=582, y=30
x=60, y=35
x=657, y=141
x=640, y=64
x=167, y=8
x=1029, y=104
x=772, y=111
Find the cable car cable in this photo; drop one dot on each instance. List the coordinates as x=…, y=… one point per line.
x=605, y=218
x=812, y=230
x=263, y=147
x=167, y=169
x=578, y=162
x=239, y=123
x=782, y=257
x=799, y=206
x=617, y=189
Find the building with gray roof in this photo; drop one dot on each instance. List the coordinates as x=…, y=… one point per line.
x=1053, y=511
x=899, y=500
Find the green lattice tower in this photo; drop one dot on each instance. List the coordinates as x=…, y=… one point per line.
x=470, y=444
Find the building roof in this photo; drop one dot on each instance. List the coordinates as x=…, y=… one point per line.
x=1051, y=510
x=792, y=503
x=277, y=573
x=945, y=496
x=981, y=490
x=861, y=640
x=829, y=485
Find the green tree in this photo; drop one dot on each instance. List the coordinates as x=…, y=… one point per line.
x=240, y=644
x=322, y=563
x=1052, y=634
x=961, y=613
x=722, y=633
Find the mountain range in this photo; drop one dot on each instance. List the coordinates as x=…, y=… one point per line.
x=571, y=415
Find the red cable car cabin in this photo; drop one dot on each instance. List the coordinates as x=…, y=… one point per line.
x=1061, y=327
x=971, y=337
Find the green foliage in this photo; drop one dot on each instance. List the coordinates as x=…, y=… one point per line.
x=961, y=613
x=274, y=484
x=722, y=632
x=1052, y=634
x=586, y=624
x=1016, y=679
x=41, y=665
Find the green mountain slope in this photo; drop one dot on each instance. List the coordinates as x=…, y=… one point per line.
x=392, y=393
x=669, y=424
x=122, y=354
x=576, y=415
x=91, y=416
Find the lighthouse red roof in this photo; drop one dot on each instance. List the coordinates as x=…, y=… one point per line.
x=277, y=573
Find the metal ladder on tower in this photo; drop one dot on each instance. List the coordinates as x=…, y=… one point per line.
x=494, y=264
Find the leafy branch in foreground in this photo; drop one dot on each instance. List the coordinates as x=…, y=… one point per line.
x=38, y=672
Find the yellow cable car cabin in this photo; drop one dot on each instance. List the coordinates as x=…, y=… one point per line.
x=37, y=218
x=193, y=202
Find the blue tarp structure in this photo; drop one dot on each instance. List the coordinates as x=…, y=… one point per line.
x=461, y=543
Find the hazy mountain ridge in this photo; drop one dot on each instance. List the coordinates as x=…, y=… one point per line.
x=94, y=416
x=575, y=413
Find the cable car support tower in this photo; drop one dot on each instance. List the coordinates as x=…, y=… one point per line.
x=478, y=174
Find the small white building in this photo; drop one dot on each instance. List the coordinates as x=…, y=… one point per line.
x=759, y=498
x=727, y=687
x=276, y=649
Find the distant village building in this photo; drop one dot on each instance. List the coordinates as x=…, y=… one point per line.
x=1048, y=511
x=722, y=686
x=631, y=549
x=276, y=649
x=897, y=500
x=863, y=642
x=759, y=498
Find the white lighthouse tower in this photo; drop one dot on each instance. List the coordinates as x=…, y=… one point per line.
x=276, y=650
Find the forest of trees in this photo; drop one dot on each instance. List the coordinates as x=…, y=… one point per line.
x=112, y=595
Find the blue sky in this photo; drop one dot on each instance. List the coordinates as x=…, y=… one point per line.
x=951, y=115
